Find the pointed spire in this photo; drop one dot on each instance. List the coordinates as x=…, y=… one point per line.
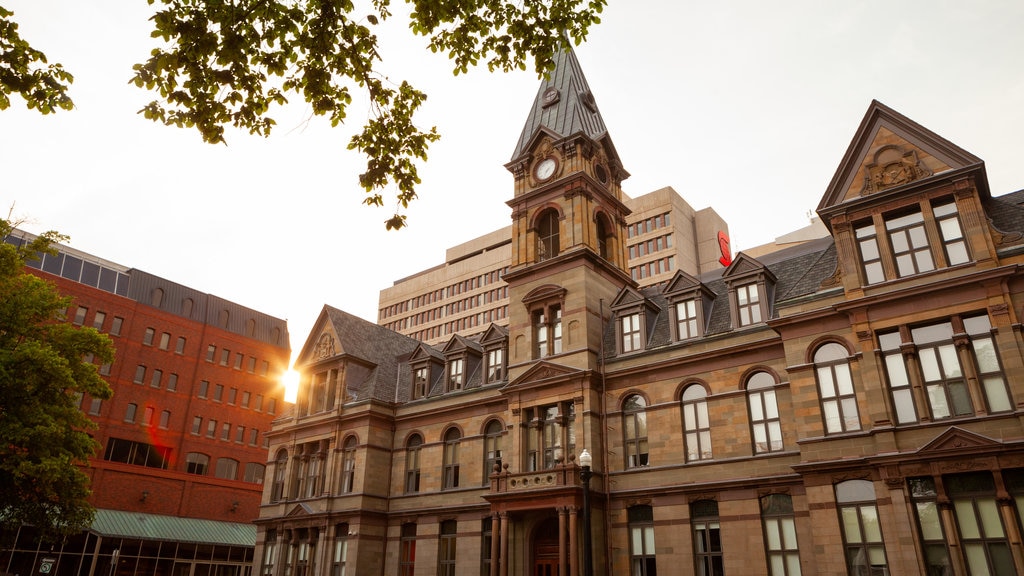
x=564, y=104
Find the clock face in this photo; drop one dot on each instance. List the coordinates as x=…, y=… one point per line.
x=545, y=168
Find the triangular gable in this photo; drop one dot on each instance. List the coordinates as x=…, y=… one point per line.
x=424, y=352
x=957, y=440
x=681, y=282
x=458, y=343
x=743, y=266
x=627, y=296
x=544, y=292
x=542, y=372
x=322, y=342
x=493, y=335
x=889, y=151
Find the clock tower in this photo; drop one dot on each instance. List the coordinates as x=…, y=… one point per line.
x=568, y=228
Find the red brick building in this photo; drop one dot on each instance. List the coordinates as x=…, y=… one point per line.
x=196, y=382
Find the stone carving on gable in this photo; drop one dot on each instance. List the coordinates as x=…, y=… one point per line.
x=892, y=167
x=325, y=346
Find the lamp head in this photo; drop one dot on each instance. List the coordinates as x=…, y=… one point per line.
x=586, y=459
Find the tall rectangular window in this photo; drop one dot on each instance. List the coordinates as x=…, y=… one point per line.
x=707, y=538
x=929, y=524
x=407, y=551
x=870, y=257
x=641, y=541
x=147, y=337
x=172, y=382
x=861, y=528
x=140, y=374
x=340, y=556
x=779, y=525
x=115, y=326
x=157, y=377
x=420, y=380
x=953, y=242
x=983, y=537
x=165, y=340
x=179, y=346
x=446, y=549
x=80, y=315
x=269, y=553
x=197, y=425
x=98, y=319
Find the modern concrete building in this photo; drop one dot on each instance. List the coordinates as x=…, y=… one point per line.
x=196, y=382
x=847, y=405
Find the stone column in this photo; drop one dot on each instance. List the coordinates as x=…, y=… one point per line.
x=504, y=544
x=496, y=537
x=562, y=552
x=574, y=553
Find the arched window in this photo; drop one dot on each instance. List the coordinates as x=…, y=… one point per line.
x=696, y=425
x=227, y=468
x=196, y=463
x=157, y=297
x=254, y=473
x=765, y=425
x=835, y=388
x=641, y=541
x=186, y=307
x=280, y=470
x=412, y=463
x=492, y=448
x=450, y=473
x=634, y=426
x=348, y=464
x=548, y=243
x=862, y=531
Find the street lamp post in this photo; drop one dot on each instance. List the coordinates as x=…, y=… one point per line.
x=585, y=461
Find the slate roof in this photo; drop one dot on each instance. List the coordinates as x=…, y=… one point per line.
x=574, y=112
x=799, y=271
x=1007, y=211
x=387, y=350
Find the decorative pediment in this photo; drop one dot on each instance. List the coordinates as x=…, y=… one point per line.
x=890, y=151
x=459, y=344
x=423, y=353
x=300, y=510
x=681, y=282
x=542, y=373
x=323, y=342
x=958, y=440
x=544, y=293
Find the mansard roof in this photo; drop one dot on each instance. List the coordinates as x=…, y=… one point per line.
x=799, y=271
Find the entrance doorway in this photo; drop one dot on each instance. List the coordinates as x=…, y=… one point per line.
x=545, y=548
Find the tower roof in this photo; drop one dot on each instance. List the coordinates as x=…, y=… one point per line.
x=564, y=104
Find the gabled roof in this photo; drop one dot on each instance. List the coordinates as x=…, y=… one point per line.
x=891, y=151
x=564, y=106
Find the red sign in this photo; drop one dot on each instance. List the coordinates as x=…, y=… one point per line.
x=723, y=247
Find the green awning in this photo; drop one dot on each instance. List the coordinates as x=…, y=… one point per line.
x=172, y=529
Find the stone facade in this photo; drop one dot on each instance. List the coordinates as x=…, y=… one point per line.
x=846, y=405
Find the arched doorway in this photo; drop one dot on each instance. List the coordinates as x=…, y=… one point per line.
x=545, y=548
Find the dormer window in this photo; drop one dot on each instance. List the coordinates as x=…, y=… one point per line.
x=630, y=332
x=420, y=379
x=748, y=304
x=686, y=319
x=495, y=365
x=456, y=367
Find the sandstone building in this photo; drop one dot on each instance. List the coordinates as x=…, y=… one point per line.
x=850, y=405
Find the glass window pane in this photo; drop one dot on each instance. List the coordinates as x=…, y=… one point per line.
x=995, y=394
x=788, y=534
x=896, y=370
x=649, y=540
x=793, y=564
x=869, y=249
x=975, y=555
x=876, y=557
x=990, y=522
x=929, y=364
x=756, y=414
x=843, y=379
x=937, y=399
x=899, y=242
x=957, y=253
x=850, y=418
x=776, y=565
x=831, y=413
x=918, y=237
x=950, y=228
x=904, y=403
x=851, y=527
x=772, y=534
x=950, y=362
x=771, y=406
x=872, y=530
x=702, y=414
x=985, y=352
x=874, y=272
x=965, y=518
x=828, y=389
x=928, y=519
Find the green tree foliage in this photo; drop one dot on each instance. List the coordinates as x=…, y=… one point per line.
x=230, y=62
x=44, y=88
x=44, y=439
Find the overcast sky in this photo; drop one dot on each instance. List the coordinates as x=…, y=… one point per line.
x=743, y=106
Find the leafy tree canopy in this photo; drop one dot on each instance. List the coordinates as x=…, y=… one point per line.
x=230, y=62
x=46, y=365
